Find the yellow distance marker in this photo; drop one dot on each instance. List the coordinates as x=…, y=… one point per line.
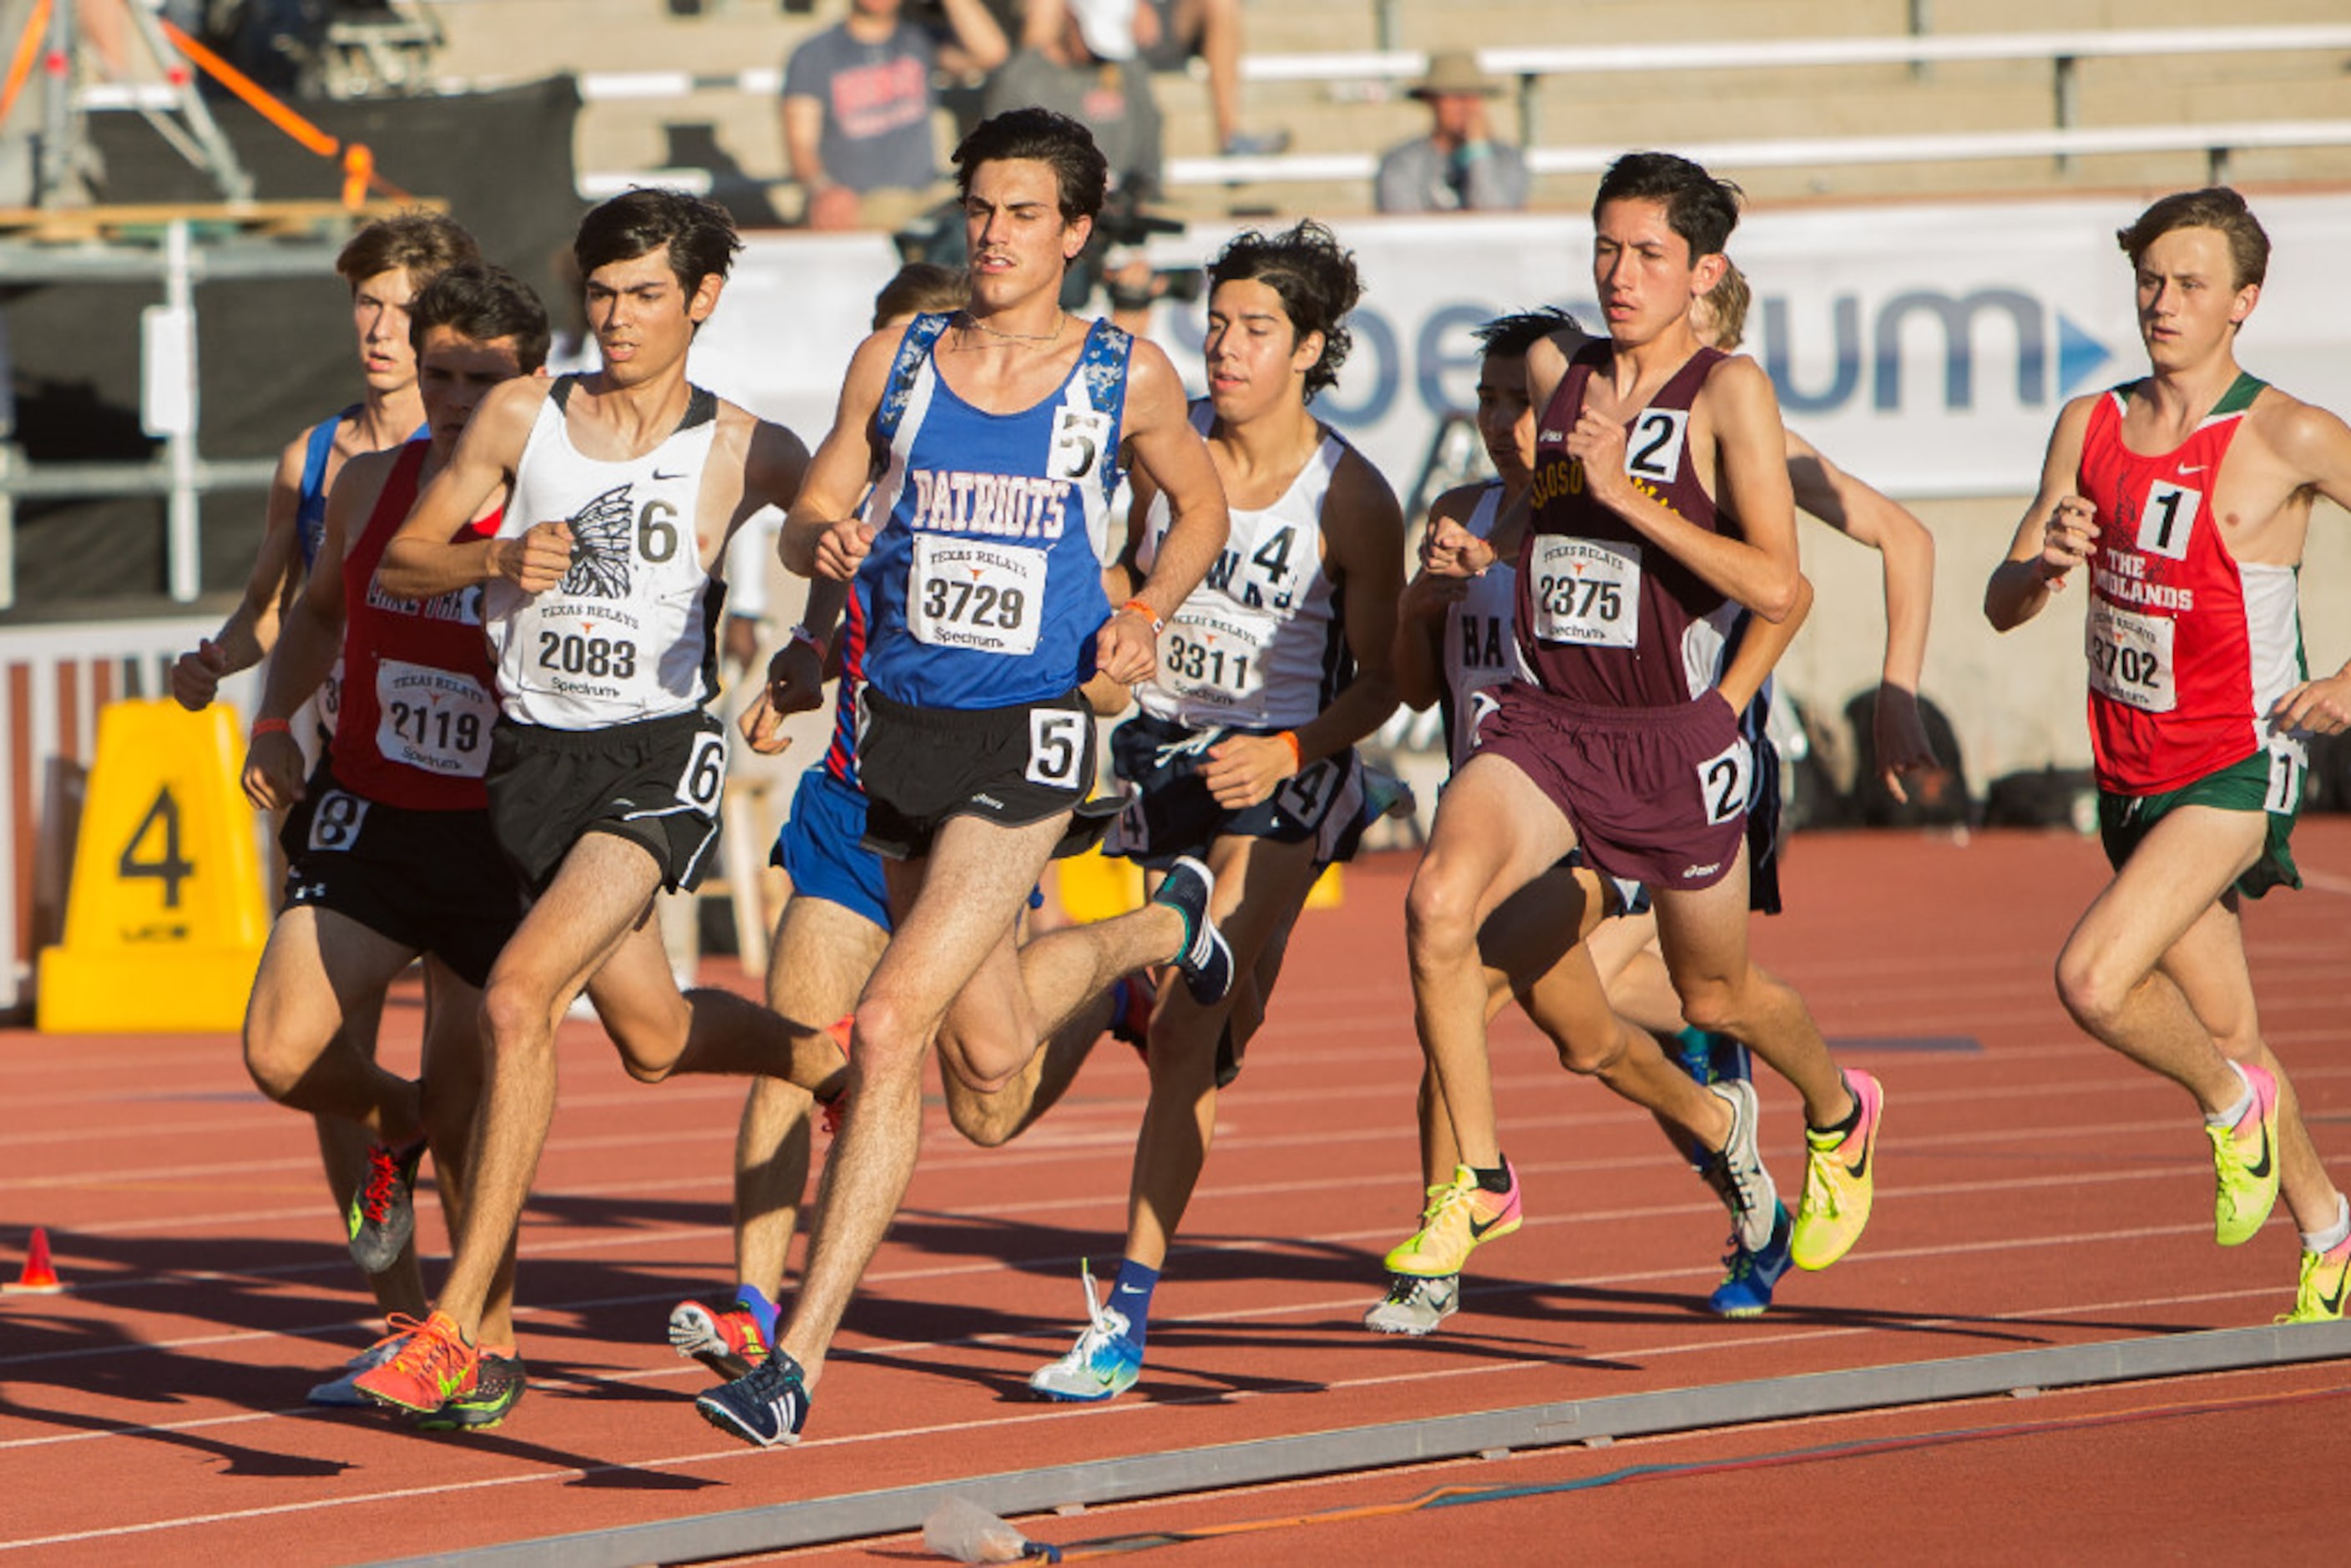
x=165, y=919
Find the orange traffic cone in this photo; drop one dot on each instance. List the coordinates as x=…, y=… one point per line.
x=39, y=1278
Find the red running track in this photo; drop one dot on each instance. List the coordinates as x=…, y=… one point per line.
x=2035, y=1191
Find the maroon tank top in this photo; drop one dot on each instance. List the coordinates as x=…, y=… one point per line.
x=1604, y=616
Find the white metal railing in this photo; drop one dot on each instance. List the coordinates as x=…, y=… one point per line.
x=1769, y=54
x=1759, y=54
x=615, y=86
x=2216, y=141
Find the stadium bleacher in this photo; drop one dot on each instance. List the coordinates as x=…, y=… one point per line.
x=1974, y=102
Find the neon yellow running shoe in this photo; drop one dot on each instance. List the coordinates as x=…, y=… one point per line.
x=1458, y=1220
x=2325, y=1279
x=1840, y=1180
x=2245, y=1164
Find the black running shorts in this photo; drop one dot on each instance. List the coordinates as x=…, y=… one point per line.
x=655, y=782
x=1010, y=766
x=432, y=881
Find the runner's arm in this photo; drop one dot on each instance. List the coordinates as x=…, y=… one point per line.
x=1170, y=453
x=1110, y=698
x=1906, y=562
x=246, y=636
x=775, y=466
x=797, y=670
x=1418, y=655
x=311, y=639
x=1761, y=647
x=435, y=552
x=1756, y=567
x=2057, y=532
x=822, y=532
x=1363, y=531
x=2318, y=444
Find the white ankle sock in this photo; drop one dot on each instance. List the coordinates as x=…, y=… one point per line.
x=2335, y=1234
x=2236, y=1112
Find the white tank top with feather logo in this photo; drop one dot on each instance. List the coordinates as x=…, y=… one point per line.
x=630, y=632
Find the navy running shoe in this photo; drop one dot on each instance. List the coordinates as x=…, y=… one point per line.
x=1207, y=962
x=765, y=1406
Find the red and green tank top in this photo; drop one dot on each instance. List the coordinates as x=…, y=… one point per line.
x=2189, y=648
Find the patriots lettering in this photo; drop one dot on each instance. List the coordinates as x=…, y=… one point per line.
x=1007, y=506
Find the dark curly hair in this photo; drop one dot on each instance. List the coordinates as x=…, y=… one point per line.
x=1045, y=137
x=1700, y=208
x=1510, y=337
x=639, y=221
x=1316, y=280
x=484, y=303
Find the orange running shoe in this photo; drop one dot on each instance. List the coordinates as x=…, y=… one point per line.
x=433, y=1366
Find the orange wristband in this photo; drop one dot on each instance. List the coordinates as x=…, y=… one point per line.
x=1138, y=607
x=1297, y=760
x=262, y=727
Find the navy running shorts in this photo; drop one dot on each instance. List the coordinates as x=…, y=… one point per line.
x=1170, y=813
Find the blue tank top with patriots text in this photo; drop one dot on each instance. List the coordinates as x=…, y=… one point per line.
x=983, y=586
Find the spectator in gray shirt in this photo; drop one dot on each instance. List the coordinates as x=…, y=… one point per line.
x=1457, y=167
x=1078, y=57
x=857, y=110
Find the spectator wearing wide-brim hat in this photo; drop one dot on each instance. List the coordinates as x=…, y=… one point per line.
x=1458, y=166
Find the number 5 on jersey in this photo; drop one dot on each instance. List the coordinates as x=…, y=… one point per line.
x=1057, y=738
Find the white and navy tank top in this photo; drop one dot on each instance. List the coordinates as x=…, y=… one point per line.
x=631, y=631
x=1479, y=652
x=1261, y=644
x=983, y=586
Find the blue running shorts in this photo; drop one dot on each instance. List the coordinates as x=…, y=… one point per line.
x=818, y=848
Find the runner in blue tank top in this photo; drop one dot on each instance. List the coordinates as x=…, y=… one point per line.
x=834, y=924
x=992, y=439
x=384, y=265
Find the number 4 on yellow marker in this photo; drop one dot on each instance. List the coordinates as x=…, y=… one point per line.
x=165, y=917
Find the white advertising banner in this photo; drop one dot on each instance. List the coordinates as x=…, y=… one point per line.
x=1927, y=347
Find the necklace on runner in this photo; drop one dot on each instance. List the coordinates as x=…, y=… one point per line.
x=1046, y=337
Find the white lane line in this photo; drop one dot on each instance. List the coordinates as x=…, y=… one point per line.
x=1223, y=1395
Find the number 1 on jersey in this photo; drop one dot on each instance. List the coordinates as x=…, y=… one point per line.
x=2170, y=516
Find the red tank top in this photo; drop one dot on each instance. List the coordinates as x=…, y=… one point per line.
x=417, y=697
x=1604, y=616
x=2187, y=648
